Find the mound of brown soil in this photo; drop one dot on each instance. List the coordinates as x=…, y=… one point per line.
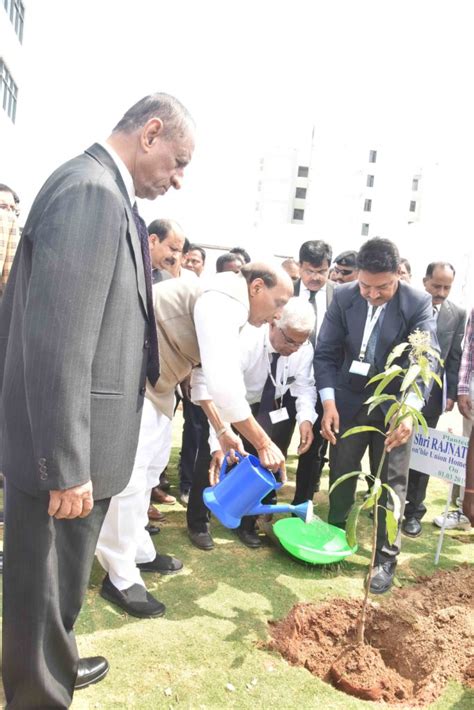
x=417, y=640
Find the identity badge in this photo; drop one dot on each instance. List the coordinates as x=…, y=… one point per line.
x=360, y=368
x=279, y=415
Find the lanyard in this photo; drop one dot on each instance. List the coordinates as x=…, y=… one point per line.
x=370, y=324
x=280, y=388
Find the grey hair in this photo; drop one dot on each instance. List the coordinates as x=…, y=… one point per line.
x=298, y=314
x=176, y=117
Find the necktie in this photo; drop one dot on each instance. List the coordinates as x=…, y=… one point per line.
x=153, y=367
x=312, y=300
x=267, y=401
x=370, y=352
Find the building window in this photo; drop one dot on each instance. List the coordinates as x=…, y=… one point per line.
x=8, y=91
x=414, y=184
x=368, y=206
x=372, y=156
x=412, y=205
x=303, y=171
x=16, y=12
x=298, y=214
x=300, y=193
x=365, y=229
x=370, y=180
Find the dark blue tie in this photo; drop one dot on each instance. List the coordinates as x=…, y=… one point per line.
x=267, y=401
x=153, y=367
x=371, y=345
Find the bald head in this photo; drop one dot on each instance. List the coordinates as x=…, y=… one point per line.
x=269, y=288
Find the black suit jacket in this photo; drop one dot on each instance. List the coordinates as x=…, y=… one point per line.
x=450, y=330
x=73, y=325
x=341, y=334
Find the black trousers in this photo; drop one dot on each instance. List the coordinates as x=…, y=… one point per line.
x=417, y=485
x=195, y=426
x=47, y=564
x=311, y=464
x=347, y=455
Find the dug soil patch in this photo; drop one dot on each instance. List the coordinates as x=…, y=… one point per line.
x=419, y=639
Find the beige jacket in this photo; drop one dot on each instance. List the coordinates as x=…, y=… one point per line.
x=174, y=302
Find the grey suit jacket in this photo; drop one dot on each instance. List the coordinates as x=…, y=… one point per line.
x=341, y=334
x=73, y=330
x=450, y=329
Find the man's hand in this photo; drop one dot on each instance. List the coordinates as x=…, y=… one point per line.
x=465, y=405
x=215, y=466
x=330, y=421
x=400, y=435
x=76, y=502
x=449, y=405
x=272, y=458
x=468, y=506
x=231, y=442
x=306, y=437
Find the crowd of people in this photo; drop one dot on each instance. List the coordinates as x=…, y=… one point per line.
x=106, y=325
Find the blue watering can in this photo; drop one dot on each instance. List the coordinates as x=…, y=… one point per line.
x=240, y=491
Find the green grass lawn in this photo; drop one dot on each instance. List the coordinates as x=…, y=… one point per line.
x=206, y=652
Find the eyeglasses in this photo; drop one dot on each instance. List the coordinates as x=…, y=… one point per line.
x=290, y=341
x=11, y=208
x=343, y=272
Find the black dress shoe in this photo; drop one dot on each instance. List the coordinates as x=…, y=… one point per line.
x=164, y=564
x=135, y=600
x=165, y=483
x=203, y=540
x=382, y=577
x=90, y=670
x=249, y=538
x=152, y=529
x=412, y=527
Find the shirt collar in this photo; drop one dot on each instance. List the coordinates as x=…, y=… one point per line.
x=123, y=170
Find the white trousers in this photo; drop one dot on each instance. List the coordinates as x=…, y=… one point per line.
x=123, y=540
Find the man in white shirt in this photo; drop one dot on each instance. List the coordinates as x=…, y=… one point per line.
x=187, y=313
x=278, y=376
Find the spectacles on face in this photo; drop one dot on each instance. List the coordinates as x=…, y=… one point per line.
x=343, y=272
x=289, y=341
x=10, y=208
x=315, y=272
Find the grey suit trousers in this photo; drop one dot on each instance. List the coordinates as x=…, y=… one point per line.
x=347, y=455
x=53, y=558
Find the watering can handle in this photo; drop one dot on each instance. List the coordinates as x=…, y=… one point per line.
x=239, y=456
x=224, y=466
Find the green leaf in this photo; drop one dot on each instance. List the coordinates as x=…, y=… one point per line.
x=395, y=501
x=435, y=354
x=386, y=381
x=358, y=429
x=344, y=478
x=375, y=493
x=411, y=375
x=378, y=400
x=394, y=408
x=422, y=421
x=387, y=371
x=397, y=351
x=392, y=526
x=437, y=379
x=351, y=525
x=417, y=391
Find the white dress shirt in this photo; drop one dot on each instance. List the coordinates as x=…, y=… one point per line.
x=123, y=170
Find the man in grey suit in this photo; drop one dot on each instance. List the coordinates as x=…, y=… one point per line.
x=365, y=320
x=450, y=323
x=313, y=286
x=77, y=343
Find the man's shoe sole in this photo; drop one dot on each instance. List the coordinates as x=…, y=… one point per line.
x=137, y=614
x=408, y=534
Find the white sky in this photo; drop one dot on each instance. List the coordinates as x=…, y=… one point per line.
x=254, y=75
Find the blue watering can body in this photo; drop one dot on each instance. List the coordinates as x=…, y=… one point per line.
x=240, y=491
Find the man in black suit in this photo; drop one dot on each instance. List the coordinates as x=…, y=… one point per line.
x=77, y=343
x=365, y=321
x=313, y=286
x=450, y=323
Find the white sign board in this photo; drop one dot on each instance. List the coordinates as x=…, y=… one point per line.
x=440, y=454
